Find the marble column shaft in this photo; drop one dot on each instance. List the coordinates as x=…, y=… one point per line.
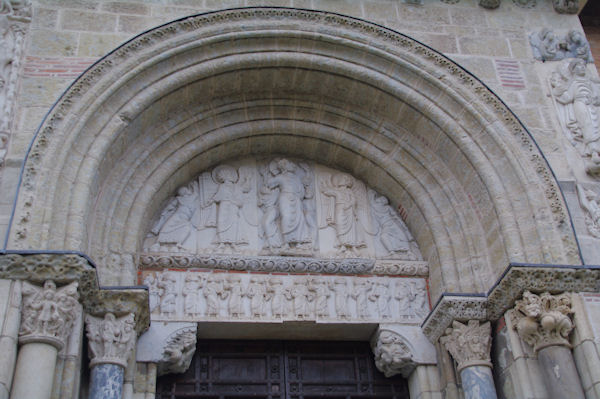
x=107, y=381
x=478, y=382
x=9, y=337
x=560, y=373
x=34, y=373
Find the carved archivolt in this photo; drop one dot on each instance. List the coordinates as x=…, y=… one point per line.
x=281, y=207
x=195, y=296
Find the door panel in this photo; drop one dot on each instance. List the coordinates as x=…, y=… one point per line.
x=281, y=370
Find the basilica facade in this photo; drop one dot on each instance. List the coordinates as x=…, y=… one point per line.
x=298, y=198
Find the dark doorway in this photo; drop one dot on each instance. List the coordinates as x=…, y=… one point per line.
x=281, y=369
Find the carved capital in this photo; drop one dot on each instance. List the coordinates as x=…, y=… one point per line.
x=178, y=352
x=111, y=339
x=48, y=313
x=543, y=320
x=566, y=6
x=469, y=344
x=392, y=354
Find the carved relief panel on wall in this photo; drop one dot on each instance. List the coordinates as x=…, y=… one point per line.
x=280, y=207
x=205, y=295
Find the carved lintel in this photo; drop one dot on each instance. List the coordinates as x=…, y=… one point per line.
x=111, y=339
x=178, y=352
x=451, y=308
x=48, y=313
x=543, y=320
x=392, y=354
x=469, y=344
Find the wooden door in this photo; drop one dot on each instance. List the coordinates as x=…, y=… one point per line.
x=281, y=370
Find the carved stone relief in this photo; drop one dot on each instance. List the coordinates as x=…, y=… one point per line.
x=469, y=344
x=275, y=298
x=392, y=354
x=280, y=207
x=566, y=6
x=590, y=202
x=548, y=46
x=110, y=339
x=48, y=312
x=577, y=99
x=543, y=320
x=178, y=352
x=14, y=18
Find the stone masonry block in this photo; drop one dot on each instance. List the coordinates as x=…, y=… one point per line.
x=88, y=21
x=47, y=42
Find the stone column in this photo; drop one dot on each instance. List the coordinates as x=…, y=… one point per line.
x=543, y=321
x=46, y=321
x=470, y=344
x=111, y=342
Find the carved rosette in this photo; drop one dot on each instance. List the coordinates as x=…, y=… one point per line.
x=111, y=339
x=48, y=313
x=392, y=354
x=543, y=320
x=469, y=344
x=178, y=352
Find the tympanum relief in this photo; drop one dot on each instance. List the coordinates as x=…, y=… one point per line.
x=205, y=295
x=576, y=95
x=280, y=207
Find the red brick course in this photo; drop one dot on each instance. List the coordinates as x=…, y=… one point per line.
x=67, y=67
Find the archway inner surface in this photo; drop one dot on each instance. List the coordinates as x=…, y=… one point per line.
x=182, y=98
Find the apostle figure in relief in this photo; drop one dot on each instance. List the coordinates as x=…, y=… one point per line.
x=284, y=196
x=230, y=201
x=191, y=294
x=344, y=213
x=233, y=285
x=168, y=301
x=276, y=294
x=360, y=294
x=321, y=292
x=392, y=233
x=580, y=96
x=380, y=295
x=257, y=293
x=340, y=288
x=213, y=289
x=154, y=292
x=301, y=297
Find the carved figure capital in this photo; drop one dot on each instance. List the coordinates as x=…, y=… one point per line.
x=543, y=320
x=469, y=344
x=178, y=352
x=392, y=354
x=111, y=339
x=48, y=313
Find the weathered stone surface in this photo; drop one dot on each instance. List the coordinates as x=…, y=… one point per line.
x=106, y=382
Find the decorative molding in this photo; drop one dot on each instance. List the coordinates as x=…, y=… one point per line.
x=548, y=46
x=469, y=344
x=510, y=287
x=110, y=339
x=435, y=63
x=543, y=320
x=179, y=350
x=392, y=354
x=48, y=313
x=451, y=308
x=208, y=296
x=539, y=279
x=286, y=264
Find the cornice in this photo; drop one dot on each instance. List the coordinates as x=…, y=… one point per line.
x=517, y=279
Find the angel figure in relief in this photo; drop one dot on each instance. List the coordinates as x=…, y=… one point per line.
x=389, y=228
x=590, y=202
x=345, y=212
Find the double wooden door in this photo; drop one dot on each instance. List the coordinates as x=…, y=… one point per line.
x=281, y=370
